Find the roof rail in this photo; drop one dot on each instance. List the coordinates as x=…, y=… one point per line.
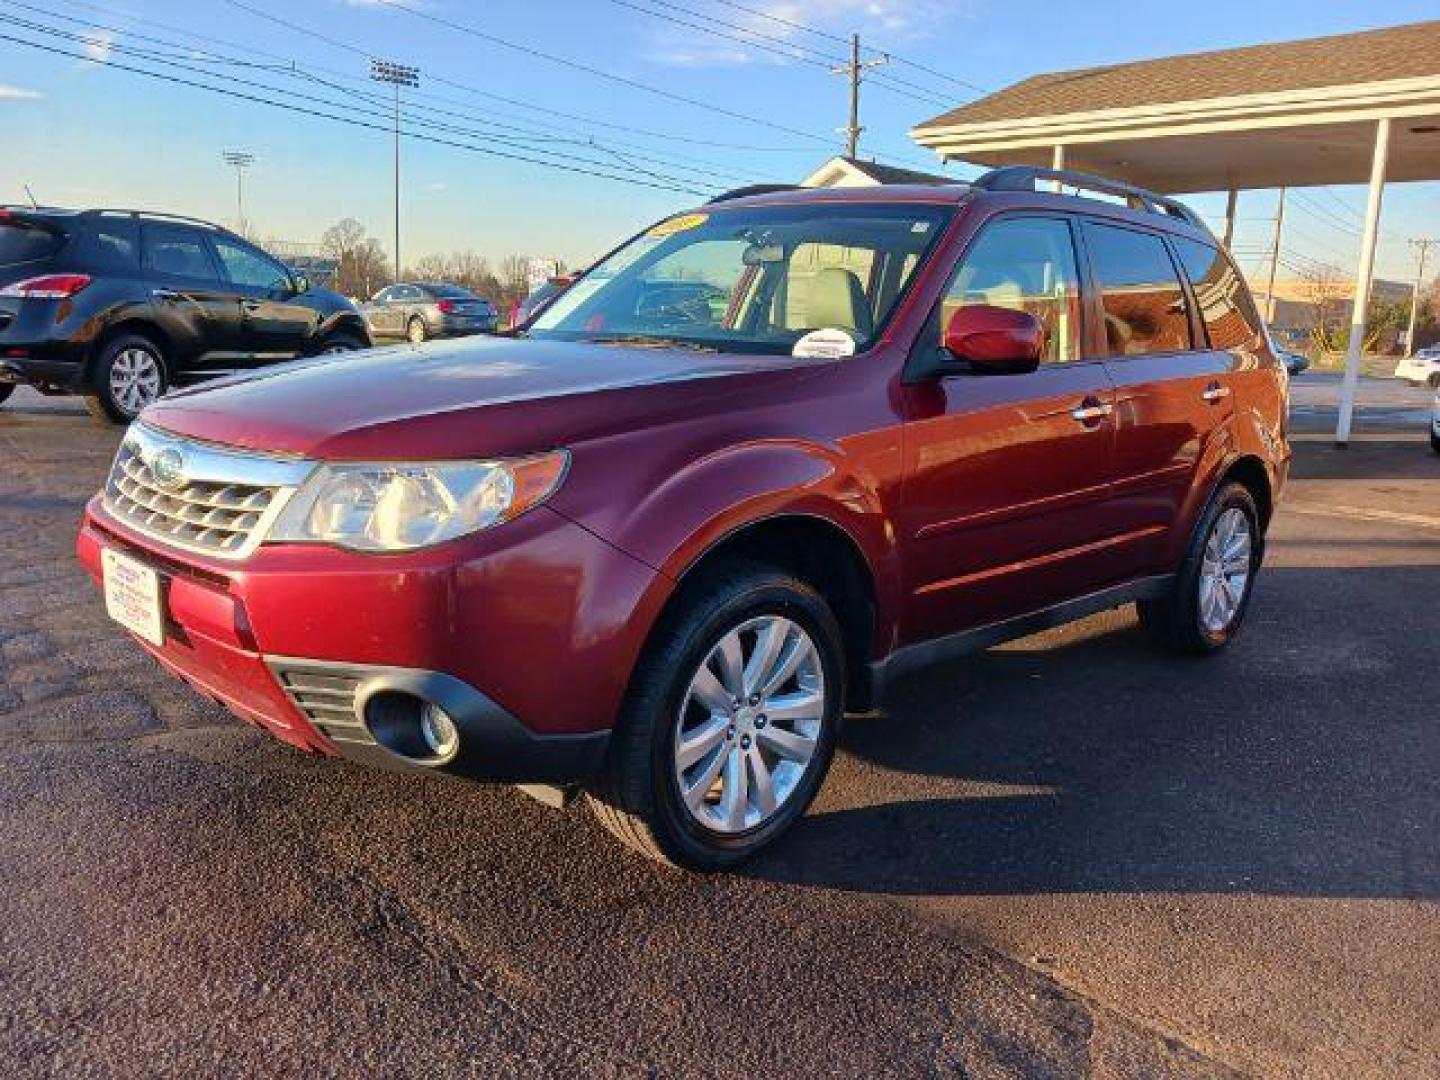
x=162, y=216
x=1026, y=178
x=753, y=189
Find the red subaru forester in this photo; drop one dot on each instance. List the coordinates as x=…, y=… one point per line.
x=758, y=460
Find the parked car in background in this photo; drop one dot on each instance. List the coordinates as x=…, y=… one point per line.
x=654, y=547
x=1421, y=369
x=419, y=310
x=1294, y=362
x=120, y=305
x=539, y=298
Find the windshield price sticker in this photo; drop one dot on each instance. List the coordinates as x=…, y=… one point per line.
x=824, y=345
x=683, y=223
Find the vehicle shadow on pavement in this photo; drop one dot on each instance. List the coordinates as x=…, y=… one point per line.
x=1300, y=762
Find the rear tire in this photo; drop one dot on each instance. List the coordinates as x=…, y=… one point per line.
x=750, y=776
x=1434, y=381
x=415, y=330
x=1206, y=606
x=129, y=374
x=1435, y=442
x=6, y=389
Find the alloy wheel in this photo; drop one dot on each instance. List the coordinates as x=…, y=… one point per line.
x=135, y=379
x=1225, y=571
x=749, y=724
x=416, y=331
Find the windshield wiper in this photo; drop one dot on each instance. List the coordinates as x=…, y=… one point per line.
x=651, y=341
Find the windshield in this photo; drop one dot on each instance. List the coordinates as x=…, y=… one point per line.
x=810, y=279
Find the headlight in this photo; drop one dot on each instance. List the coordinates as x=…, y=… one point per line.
x=399, y=507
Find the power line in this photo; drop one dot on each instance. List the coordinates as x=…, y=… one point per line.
x=805, y=28
x=783, y=48
x=510, y=135
x=289, y=106
x=576, y=65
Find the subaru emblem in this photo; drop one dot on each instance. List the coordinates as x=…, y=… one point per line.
x=167, y=468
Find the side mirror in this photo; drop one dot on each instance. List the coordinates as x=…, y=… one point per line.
x=995, y=340
x=301, y=283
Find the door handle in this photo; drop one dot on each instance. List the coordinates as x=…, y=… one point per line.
x=250, y=305
x=1215, y=392
x=165, y=294
x=1091, y=411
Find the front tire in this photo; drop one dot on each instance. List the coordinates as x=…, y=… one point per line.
x=1206, y=606
x=730, y=723
x=1434, y=381
x=6, y=389
x=129, y=374
x=341, y=343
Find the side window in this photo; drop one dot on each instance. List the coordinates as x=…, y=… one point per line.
x=1224, y=301
x=247, y=267
x=112, y=246
x=175, y=251
x=1144, y=305
x=1025, y=264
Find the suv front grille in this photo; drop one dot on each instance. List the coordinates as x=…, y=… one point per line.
x=197, y=497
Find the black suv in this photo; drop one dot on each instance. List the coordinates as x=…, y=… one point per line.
x=121, y=304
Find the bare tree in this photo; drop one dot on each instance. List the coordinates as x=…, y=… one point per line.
x=361, y=264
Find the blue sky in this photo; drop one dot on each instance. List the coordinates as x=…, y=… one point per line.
x=79, y=133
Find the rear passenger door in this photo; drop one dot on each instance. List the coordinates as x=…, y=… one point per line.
x=1008, y=475
x=1173, y=404
x=197, y=310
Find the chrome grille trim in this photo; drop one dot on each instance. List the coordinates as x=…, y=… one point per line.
x=221, y=504
x=325, y=694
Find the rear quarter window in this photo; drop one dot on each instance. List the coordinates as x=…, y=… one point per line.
x=1224, y=301
x=1141, y=299
x=22, y=242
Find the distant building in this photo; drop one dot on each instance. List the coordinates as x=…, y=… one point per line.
x=855, y=172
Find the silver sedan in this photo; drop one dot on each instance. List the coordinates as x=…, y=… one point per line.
x=421, y=310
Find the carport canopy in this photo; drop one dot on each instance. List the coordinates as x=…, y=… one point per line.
x=1349, y=109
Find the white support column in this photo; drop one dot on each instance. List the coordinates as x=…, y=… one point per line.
x=1231, y=197
x=1057, y=162
x=1364, y=275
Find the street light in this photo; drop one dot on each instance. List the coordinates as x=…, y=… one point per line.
x=241, y=161
x=397, y=75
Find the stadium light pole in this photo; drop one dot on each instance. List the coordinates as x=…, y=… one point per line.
x=397, y=75
x=241, y=161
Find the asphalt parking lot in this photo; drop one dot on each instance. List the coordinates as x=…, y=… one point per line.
x=1071, y=855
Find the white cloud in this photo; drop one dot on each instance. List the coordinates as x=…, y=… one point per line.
x=97, y=46
x=437, y=185
x=18, y=93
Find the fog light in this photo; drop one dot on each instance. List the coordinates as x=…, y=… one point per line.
x=439, y=731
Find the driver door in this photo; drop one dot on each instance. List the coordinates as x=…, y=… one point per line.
x=276, y=323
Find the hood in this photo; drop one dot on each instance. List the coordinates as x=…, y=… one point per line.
x=473, y=397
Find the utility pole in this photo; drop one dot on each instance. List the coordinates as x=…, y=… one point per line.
x=1423, y=247
x=241, y=160
x=1274, y=259
x=397, y=75
x=855, y=69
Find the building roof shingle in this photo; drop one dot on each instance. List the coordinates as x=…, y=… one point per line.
x=1396, y=52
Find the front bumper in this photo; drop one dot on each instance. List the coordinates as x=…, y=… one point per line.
x=528, y=637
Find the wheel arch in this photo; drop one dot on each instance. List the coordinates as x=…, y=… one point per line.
x=814, y=549
x=1250, y=472
x=132, y=325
